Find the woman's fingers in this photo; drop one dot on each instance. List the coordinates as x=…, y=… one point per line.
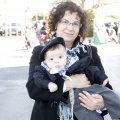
x=99, y=101
x=86, y=96
x=97, y=96
x=86, y=100
x=91, y=102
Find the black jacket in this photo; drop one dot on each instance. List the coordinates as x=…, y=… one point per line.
x=85, y=65
x=43, y=109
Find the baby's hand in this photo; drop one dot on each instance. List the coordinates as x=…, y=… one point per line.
x=52, y=87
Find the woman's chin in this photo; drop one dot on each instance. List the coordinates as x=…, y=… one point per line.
x=67, y=39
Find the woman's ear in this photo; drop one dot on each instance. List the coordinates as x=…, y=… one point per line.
x=56, y=26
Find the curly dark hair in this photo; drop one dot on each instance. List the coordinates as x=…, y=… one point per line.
x=58, y=11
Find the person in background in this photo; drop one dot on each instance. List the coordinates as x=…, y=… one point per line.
x=44, y=36
x=28, y=43
x=115, y=27
x=44, y=28
x=37, y=27
x=112, y=34
x=100, y=35
x=119, y=33
x=69, y=21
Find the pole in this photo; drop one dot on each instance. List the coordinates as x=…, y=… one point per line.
x=26, y=15
x=6, y=30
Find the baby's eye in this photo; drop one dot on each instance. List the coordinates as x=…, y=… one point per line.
x=51, y=59
x=60, y=56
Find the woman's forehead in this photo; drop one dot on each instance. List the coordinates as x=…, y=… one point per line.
x=70, y=13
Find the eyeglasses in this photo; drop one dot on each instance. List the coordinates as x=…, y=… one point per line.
x=67, y=23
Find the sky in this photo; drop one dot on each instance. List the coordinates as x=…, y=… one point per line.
x=12, y=9
x=15, y=9
x=111, y=9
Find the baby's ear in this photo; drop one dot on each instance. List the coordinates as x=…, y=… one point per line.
x=44, y=61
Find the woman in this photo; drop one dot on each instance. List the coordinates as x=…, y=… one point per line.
x=69, y=22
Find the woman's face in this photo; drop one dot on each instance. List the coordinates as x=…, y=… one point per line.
x=68, y=27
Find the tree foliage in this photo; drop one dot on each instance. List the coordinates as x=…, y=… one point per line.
x=91, y=16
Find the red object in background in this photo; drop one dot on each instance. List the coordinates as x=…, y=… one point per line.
x=28, y=42
x=42, y=37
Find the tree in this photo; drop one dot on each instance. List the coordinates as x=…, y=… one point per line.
x=96, y=3
x=91, y=17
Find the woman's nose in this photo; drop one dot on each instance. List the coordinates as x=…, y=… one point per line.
x=70, y=26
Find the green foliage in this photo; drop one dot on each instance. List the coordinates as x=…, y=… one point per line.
x=91, y=17
x=115, y=17
x=40, y=16
x=90, y=29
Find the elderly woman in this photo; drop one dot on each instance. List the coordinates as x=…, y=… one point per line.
x=68, y=21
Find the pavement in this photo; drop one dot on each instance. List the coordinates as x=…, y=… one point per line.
x=15, y=103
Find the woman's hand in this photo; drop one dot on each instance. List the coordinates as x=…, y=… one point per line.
x=78, y=81
x=91, y=102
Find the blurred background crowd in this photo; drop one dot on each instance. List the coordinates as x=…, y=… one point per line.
x=29, y=19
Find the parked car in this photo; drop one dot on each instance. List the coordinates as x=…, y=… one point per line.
x=1, y=29
x=13, y=29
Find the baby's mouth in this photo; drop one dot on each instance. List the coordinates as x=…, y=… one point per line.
x=57, y=66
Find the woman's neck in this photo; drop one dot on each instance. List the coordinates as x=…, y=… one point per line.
x=68, y=44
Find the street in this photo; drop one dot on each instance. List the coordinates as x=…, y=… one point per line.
x=15, y=103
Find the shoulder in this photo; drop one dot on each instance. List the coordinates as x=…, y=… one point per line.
x=42, y=28
x=92, y=48
x=37, y=50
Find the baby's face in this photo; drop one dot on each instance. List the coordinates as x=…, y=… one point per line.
x=56, y=58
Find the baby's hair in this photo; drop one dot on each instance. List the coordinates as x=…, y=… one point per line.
x=53, y=47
